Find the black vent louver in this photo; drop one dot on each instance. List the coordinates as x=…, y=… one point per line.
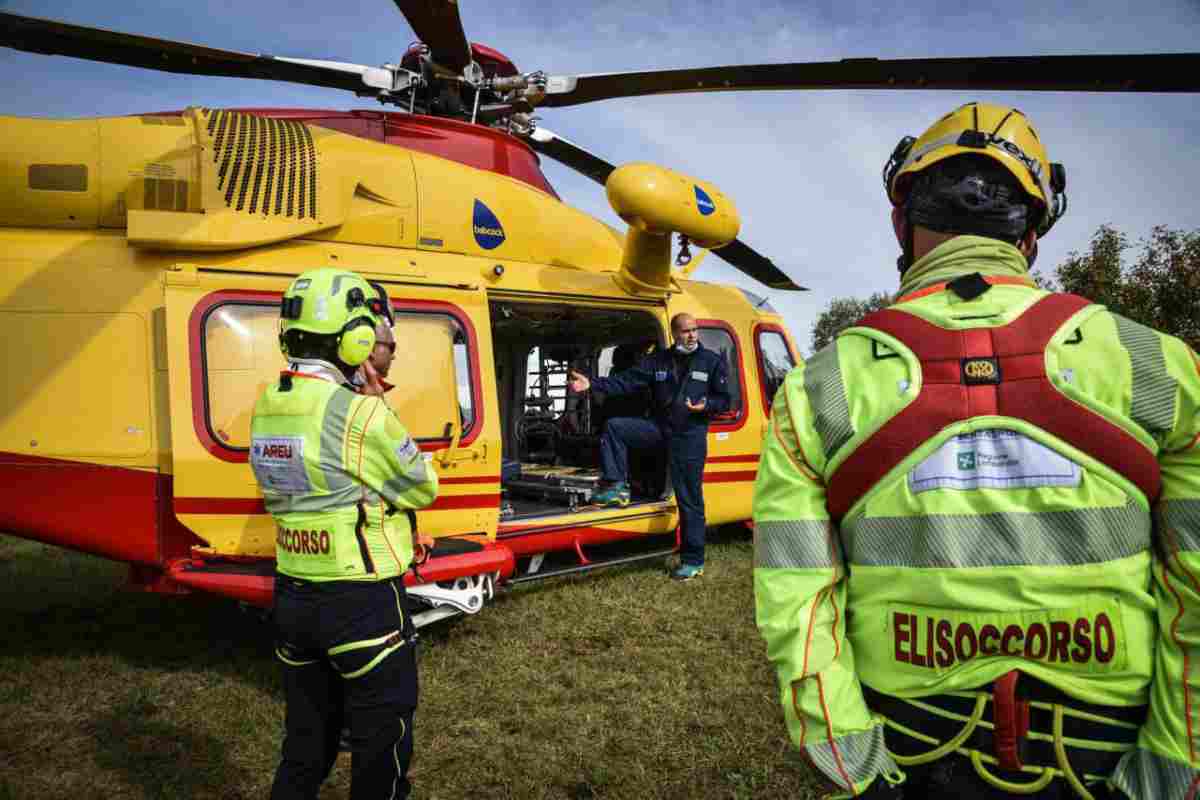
x=260, y=160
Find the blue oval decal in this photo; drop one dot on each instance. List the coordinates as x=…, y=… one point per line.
x=489, y=233
x=704, y=202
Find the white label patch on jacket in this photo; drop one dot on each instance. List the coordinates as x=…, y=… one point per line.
x=993, y=459
x=660, y=375
x=278, y=464
x=407, y=451
x=699, y=376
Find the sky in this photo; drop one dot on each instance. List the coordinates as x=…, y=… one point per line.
x=803, y=168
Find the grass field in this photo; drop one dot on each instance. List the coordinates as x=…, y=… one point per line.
x=619, y=684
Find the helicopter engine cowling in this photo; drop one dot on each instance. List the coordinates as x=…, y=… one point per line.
x=657, y=202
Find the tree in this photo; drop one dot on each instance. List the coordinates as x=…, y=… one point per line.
x=1160, y=288
x=842, y=313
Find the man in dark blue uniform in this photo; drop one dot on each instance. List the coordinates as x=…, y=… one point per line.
x=689, y=383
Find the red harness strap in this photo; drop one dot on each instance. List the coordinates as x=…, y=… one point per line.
x=1011, y=718
x=1022, y=390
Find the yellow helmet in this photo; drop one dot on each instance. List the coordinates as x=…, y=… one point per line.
x=333, y=303
x=998, y=132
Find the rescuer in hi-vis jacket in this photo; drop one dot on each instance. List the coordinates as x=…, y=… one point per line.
x=338, y=473
x=977, y=516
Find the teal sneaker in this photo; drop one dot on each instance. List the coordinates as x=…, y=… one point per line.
x=615, y=495
x=685, y=572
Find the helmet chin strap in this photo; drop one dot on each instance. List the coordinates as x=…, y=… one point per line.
x=906, y=257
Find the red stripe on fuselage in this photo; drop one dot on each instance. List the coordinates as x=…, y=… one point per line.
x=730, y=477
x=115, y=512
x=749, y=458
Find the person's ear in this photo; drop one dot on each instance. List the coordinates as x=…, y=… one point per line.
x=1027, y=243
x=899, y=224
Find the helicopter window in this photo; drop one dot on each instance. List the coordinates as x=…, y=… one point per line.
x=774, y=362
x=462, y=376
x=721, y=340
x=241, y=357
x=432, y=373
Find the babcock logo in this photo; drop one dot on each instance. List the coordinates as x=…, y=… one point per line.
x=704, y=202
x=489, y=233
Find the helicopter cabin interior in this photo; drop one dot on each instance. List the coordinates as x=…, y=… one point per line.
x=551, y=437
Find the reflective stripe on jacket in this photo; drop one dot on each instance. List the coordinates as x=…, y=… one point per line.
x=335, y=467
x=992, y=545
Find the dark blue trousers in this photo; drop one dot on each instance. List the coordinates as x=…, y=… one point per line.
x=328, y=692
x=686, y=452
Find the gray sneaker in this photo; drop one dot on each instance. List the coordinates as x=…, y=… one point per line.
x=615, y=495
x=685, y=572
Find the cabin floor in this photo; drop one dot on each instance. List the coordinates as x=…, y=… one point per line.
x=547, y=490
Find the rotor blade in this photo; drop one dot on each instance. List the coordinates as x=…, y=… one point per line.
x=439, y=26
x=753, y=263
x=1165, y=72
x=49, y=37
x=737, y=253
x=572, y=155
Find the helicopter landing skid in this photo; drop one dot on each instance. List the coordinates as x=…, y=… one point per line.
x=464, y=595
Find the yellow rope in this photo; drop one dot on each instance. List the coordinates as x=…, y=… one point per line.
x=978, y=759
x=950, y=746
x=1060, y=751
x=1009, y=786
x=1074, y=712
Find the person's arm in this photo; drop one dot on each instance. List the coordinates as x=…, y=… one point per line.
x=800, y=601
x=639, y=376
x=718, y=400
x=1166, y=763
x=393, y=464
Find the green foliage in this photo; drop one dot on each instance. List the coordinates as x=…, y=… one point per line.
x=1158, y=287
x=842, y=313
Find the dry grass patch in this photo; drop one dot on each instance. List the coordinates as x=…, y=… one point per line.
x=619, y=684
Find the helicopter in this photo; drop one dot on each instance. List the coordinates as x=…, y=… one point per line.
x=133, y=398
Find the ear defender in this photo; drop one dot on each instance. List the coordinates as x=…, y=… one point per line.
x=357, y=341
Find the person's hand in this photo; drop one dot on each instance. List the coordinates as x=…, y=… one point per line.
x=422, y=546
x=699, y=405
x=372, y=383
x=577, y=381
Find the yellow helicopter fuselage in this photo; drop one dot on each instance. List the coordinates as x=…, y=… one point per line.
x=142, y=263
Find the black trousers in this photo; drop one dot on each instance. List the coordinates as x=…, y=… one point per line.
x=686, y=451
x=955, y=777
x=348, y=651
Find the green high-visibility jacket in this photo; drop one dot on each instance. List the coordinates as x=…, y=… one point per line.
x=337, y=471
x=964, y=561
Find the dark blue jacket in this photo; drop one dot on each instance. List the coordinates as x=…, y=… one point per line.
x=704, y=375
